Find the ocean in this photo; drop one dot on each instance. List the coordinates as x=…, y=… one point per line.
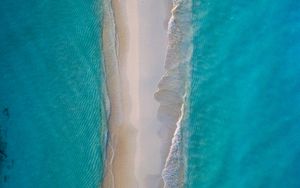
x=52, y=108
x=232, y=64
x=241, y=127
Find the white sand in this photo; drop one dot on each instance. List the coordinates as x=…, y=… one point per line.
x=142, y=42
x=154, y=16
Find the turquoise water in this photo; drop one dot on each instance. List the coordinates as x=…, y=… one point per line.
x=51, y=100
x=244, y=102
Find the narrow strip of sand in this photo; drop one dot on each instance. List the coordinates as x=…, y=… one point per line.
x=135, y=158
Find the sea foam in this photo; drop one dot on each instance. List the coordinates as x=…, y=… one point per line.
x=172, y=90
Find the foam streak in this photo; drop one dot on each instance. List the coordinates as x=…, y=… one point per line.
x=173, y=87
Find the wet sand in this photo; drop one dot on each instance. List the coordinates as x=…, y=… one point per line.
x=152, y=148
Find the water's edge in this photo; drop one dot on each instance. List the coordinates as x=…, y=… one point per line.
x=172, y=90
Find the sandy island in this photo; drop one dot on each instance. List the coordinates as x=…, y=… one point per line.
x=135, y=43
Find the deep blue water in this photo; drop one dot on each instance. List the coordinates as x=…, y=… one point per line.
x=243, y=128
x=51, y=101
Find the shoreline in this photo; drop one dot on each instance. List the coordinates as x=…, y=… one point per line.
x=153, y=52
x=135, y=50
x=121, y=135
x=173, y=89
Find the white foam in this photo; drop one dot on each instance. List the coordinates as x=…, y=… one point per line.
x=172, y=89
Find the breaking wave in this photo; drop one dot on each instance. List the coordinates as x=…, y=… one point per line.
x=172, y=89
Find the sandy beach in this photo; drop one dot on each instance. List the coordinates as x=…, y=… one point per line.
x=134, y=51
x=152, y=148
x=120, y=162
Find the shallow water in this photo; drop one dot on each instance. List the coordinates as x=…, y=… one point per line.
x=244, y=100
x=51, y=94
